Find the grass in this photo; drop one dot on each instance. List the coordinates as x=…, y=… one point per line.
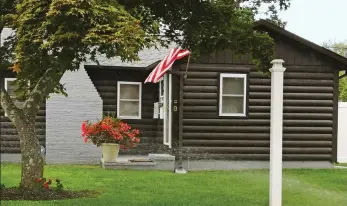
x=243, y=187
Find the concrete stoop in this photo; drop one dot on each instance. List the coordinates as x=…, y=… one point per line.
x=150, y=162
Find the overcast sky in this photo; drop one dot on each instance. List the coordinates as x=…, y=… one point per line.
x=317, y=20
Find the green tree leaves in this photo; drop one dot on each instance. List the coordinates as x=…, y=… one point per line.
x=60, y=34
x=343, y=89
x=340, y=48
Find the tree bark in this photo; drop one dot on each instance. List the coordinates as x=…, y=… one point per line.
x=32, y=160
x=24, y=120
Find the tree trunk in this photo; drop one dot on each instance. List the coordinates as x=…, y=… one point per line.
x=32, y=161
x=24, y=120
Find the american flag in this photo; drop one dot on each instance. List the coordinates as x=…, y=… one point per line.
x=166, y=64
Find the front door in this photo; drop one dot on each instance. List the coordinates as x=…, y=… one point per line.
x=165, y=99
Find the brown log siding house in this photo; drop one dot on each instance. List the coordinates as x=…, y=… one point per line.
x=226, y=104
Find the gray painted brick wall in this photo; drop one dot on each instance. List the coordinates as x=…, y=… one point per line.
x=64, y=116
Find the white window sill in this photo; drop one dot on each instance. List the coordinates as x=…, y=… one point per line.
x=231, y=115
x=128, y=117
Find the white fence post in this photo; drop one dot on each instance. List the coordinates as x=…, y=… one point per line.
x=276, y=132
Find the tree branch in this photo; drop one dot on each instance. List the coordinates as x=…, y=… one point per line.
x=9, y=107
x=42, y=89
x=343, y=75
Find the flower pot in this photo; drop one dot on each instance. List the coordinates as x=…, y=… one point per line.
x=109, y=152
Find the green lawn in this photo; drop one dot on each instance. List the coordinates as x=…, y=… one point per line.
x=244, y=187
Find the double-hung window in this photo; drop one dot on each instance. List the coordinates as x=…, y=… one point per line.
x=10, y=87
x=232, y=94
x=129, y=100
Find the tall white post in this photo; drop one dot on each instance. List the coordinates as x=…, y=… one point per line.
x=276, y=132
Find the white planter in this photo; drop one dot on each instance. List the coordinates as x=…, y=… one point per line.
x=109, y=152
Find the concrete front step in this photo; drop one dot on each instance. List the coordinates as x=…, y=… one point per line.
x=150, y=162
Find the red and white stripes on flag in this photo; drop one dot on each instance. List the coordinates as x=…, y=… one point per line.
x=166, y=64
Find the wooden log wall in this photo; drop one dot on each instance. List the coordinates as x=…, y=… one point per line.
x=308, y=115
x=9, y=139
x=9, y=136
x=151, y=129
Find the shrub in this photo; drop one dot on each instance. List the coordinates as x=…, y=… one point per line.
x=110, y=130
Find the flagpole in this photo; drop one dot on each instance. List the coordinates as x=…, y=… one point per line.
x=179, y=169
x=155, y=75
x=186, y=75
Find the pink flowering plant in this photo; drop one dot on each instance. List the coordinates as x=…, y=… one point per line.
x=110, y=130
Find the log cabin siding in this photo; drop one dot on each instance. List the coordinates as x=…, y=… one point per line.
x=105, y=82
x=309, y=128
x=308, y=115
x=8, y=134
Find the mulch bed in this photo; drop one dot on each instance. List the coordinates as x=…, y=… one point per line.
x=15, y=193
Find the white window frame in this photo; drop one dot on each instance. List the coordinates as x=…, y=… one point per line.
x=221, y=95
x=118, y=99
x=5, y=81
